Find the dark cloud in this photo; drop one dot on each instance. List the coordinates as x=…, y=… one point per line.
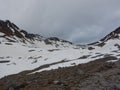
x=80, y=21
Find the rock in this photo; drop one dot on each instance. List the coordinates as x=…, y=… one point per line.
x=89, y=88
x=117, y=86
x=56, y=82
x=79, y=71
x=11, y=85
x=62, y=83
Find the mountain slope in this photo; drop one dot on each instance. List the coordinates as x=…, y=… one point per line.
x=9, y=32
x=95, y=75
x=21, y=51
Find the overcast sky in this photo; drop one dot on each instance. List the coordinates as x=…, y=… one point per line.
x=79, y=21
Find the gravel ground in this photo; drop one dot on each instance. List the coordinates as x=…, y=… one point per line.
x=95, y=75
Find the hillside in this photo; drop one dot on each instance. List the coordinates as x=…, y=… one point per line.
x=31, y=61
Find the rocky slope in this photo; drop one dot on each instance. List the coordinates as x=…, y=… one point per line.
x=101, y=74
x=27, y=62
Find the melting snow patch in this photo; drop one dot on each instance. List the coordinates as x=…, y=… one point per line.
x=1, y=34
x=112, y=61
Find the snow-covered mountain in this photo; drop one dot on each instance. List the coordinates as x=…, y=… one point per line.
x=9, y=32
x=21, y=51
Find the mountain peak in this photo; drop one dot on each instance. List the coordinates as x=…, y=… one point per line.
x=12, y=31
x=113, y=35
x=117, y=31
x=4, y=28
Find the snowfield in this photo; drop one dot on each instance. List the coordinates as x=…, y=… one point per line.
x=21, y=51
x=18, y=57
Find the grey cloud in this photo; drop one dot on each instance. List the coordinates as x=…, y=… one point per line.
x=80, y=21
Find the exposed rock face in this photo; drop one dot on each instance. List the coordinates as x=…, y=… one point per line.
x=112, y=35
x=11, y=30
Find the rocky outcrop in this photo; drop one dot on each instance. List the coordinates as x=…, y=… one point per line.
x=113, y=35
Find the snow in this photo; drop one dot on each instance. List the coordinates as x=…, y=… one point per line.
x=12, y=29
x=1, y=34
x=112, y=61
x=30, y=56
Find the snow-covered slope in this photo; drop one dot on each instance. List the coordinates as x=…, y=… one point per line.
x=23, y=51
x=11, y=33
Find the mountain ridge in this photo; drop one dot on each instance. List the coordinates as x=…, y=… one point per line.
x=11, y=30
